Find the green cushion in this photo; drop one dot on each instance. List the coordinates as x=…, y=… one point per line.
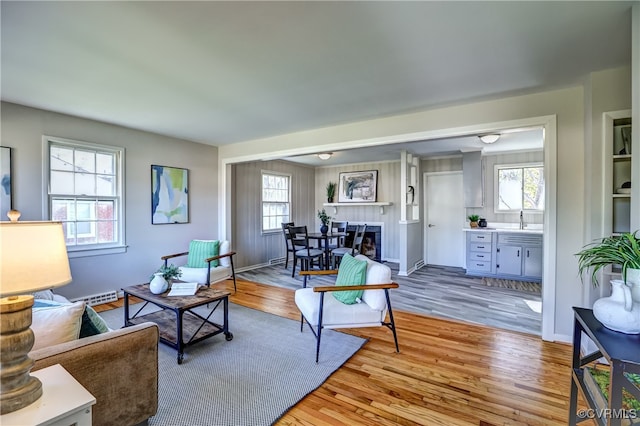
x=92, y=323
x=199, y=250
x=351, y=272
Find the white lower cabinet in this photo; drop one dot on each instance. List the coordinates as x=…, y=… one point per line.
x=509, y=260
x=510, y=255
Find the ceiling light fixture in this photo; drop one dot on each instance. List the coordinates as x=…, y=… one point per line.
x=489, y=138
x=325, y=155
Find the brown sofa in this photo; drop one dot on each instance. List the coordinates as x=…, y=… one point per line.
x=119, y=368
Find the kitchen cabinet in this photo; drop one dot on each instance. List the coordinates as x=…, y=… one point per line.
x=480, y=259
x=533, y=261
x=509, y=254
x=509, y=260
x=519, y=255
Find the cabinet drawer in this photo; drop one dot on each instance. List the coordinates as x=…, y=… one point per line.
x=481, y=247
x=478, y=266
x=480, y=256
x=480, y=237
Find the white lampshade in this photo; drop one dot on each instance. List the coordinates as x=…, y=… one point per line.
x=325, y=155
x=33, y=257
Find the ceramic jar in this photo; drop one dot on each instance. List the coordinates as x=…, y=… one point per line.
x=633, y=281
x=618, y=312
x=158, y=284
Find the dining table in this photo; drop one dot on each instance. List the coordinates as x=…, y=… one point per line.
x=323, y=243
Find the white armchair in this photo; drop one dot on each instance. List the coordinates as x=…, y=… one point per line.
x=220, y=267
x=327, y=312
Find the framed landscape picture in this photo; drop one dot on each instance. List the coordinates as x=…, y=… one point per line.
x=358, y=187
x=169, y=195
x=5, y=182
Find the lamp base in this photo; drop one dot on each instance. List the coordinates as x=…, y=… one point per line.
x=17, y=388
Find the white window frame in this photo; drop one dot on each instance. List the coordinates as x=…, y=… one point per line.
x=262, y=201
x=119, y=246
x=496, y=188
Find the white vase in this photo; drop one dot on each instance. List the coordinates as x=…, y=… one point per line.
x=618, y=312
x=633, y=281
x=158, y=284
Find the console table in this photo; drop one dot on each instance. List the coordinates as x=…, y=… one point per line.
x=622, y=352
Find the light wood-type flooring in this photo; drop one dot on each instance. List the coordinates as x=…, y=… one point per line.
x=447, y=372
x=439, y=291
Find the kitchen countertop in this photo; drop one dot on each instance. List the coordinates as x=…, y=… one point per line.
x=511, y=230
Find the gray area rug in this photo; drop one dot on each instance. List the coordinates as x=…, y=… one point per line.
x=251, y=380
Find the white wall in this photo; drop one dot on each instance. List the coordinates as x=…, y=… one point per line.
x=22, y=130
x=566, y=104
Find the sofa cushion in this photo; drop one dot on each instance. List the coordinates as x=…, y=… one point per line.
x=352, y=272
x=199, y=250
x=55, y=324
x=335, y=314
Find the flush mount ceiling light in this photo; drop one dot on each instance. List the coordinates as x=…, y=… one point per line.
x=325, y=155
x=489, y=138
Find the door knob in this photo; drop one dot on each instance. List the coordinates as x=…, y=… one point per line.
x=431, y=225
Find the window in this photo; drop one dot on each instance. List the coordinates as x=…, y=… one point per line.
x=275, y=201
x=85, y=193
x=519, y=187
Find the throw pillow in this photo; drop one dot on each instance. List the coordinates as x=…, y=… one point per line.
x=199, y=250
x=92, y=323
x=56, y=324
x=351, y=272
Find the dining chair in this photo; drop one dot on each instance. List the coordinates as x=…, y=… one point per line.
x=355, y=249
x=300, y=238
x=338, y=227
x=288, y=243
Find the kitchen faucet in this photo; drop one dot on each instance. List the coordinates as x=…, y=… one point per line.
x=521, y=220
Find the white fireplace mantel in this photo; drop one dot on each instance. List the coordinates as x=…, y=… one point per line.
x=380, y=204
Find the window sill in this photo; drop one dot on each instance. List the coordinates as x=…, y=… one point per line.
x=97, y=251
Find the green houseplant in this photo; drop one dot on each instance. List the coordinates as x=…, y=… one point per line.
x=331, y=191
x=169, y=272
x=473, y=220
x=623, y=250
x=325, y=219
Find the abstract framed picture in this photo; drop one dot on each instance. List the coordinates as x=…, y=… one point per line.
x=358, y=187
x=6, y=193
x=169, y=195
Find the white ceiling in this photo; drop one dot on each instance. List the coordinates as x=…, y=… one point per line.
x=224, y=72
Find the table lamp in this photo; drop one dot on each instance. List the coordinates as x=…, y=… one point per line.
x=33, y=257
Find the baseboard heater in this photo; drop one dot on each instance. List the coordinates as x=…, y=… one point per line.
x=276, y=261
x=418, y=265
x=97, y=299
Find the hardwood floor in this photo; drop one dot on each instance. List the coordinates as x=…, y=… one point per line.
x=439, y=291
x=447, y=373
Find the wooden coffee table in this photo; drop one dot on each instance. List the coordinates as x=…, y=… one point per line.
x=179, y=325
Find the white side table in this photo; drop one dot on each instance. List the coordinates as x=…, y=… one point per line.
x=64, y=402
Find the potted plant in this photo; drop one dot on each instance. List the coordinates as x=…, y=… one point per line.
x=161, y=279
x=473, y=220
x=325, y=219
x=331, y=191
x=623, y=250
x=621, y=310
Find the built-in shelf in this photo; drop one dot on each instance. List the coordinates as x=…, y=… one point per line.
x=381, y=204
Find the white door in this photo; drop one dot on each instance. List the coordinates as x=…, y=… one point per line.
x=444, y=238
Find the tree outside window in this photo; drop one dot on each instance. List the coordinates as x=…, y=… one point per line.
x=520, y=188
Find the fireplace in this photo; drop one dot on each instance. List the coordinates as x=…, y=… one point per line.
x=372, y=243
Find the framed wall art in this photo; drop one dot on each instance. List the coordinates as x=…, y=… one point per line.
x=169, y=195
x=6, y=192
x=358, y=187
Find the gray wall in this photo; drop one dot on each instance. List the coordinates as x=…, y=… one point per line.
x=388, y=190
x=253, y=247
x=22, y=130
